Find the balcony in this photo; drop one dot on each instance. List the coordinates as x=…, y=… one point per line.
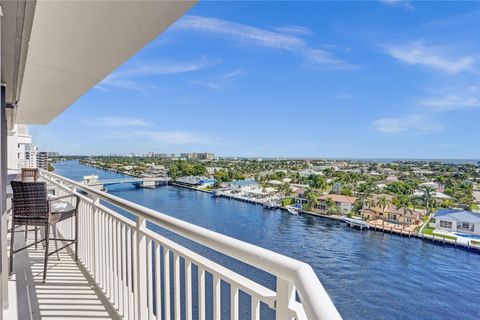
x=127, y=270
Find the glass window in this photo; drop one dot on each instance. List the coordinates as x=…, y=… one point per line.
x=445, y=224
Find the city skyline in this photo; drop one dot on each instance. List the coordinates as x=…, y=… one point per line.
x=298, y=82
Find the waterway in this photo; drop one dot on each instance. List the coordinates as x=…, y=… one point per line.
x=368, y=274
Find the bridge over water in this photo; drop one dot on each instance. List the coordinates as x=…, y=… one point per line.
x=147, y=182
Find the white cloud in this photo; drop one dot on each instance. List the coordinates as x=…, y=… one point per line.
x=398, y=3
x=414, y=123
x=264, y=38
x=220, y=81
x=117, y=122
x=430, y=56
x=451, y=102
x=125, y=78
x=294, y=29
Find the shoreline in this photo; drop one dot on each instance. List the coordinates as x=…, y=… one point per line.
x=421, y=236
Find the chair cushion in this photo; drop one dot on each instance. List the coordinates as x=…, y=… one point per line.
x=61, y=206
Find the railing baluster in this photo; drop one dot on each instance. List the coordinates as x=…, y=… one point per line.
x=217, y=303
x=149, y=278
x=176, y=281
x=129, y=271
x=166, y=282
x=233, y=302
x=141, y=266
x=116, y=283
x=158, y=282
x=94, y=247
x=101, y=233
x=119, y=241
x=256, y=309
x=201, y=293
x=109, y=259
x=188, y=289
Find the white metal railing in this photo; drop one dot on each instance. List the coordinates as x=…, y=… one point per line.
x=129, y=261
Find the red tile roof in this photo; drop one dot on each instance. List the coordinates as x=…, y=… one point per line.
x=338, y=198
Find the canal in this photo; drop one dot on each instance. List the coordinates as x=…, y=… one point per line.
x=368, y=274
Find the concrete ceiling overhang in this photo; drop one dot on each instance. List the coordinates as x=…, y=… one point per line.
x=75, y=44
x=17, y=18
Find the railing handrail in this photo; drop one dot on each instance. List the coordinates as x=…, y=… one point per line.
x=315, y=300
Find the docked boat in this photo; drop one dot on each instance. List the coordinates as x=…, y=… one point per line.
x=356, y=222
x=292, y=211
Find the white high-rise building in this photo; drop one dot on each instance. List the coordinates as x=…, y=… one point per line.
x=21, y=152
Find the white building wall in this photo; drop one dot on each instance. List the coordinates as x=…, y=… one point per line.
x=21, y=152
x=12, y=151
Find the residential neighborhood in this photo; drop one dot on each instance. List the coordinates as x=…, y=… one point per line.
x=404, y=197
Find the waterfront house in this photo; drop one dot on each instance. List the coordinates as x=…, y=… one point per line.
x=344, y=203
x=242, y=185
x=457, y=220
x=392, y=214
x=437, y=195
x=195, y=181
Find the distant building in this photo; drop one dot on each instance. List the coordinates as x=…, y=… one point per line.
x=206, y=156
x=193, y=181
x=344, y=203
x=213, y=170
x=155, y=171
x=457, y=220
x=21, y=152
x=42, y=160
x=27, y=156
x=187, y=155
x=242, y=185
x=198, y=155
x=52, y=154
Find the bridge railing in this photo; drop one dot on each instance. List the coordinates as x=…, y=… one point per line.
x=137, y=268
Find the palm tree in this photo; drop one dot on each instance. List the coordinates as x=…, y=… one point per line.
x=365, y=190
x=383, y=203
x=402, y=203
x=428, y=197
x=285, y=189
x=331, y=206
x=441, y=181
x=312, y=199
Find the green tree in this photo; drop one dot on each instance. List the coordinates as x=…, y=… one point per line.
x=428, y=198
x=331, y=206
x=312, y=199
x=383, y=203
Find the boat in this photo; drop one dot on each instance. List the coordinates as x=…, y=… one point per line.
x=292, y=211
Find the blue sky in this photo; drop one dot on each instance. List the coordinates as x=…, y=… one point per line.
x=389, y=79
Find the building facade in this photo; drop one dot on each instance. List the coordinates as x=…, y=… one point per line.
x=42, y=160
x=457, y=220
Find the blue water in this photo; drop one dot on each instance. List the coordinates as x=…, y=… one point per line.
x=368, y=274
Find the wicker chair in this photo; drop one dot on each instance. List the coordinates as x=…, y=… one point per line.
x=32, y=207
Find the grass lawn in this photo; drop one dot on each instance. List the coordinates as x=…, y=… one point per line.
x=429, y=230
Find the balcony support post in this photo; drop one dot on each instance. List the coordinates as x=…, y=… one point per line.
x=285, y=296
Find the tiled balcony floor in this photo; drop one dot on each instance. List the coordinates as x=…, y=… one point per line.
x=67, y=293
